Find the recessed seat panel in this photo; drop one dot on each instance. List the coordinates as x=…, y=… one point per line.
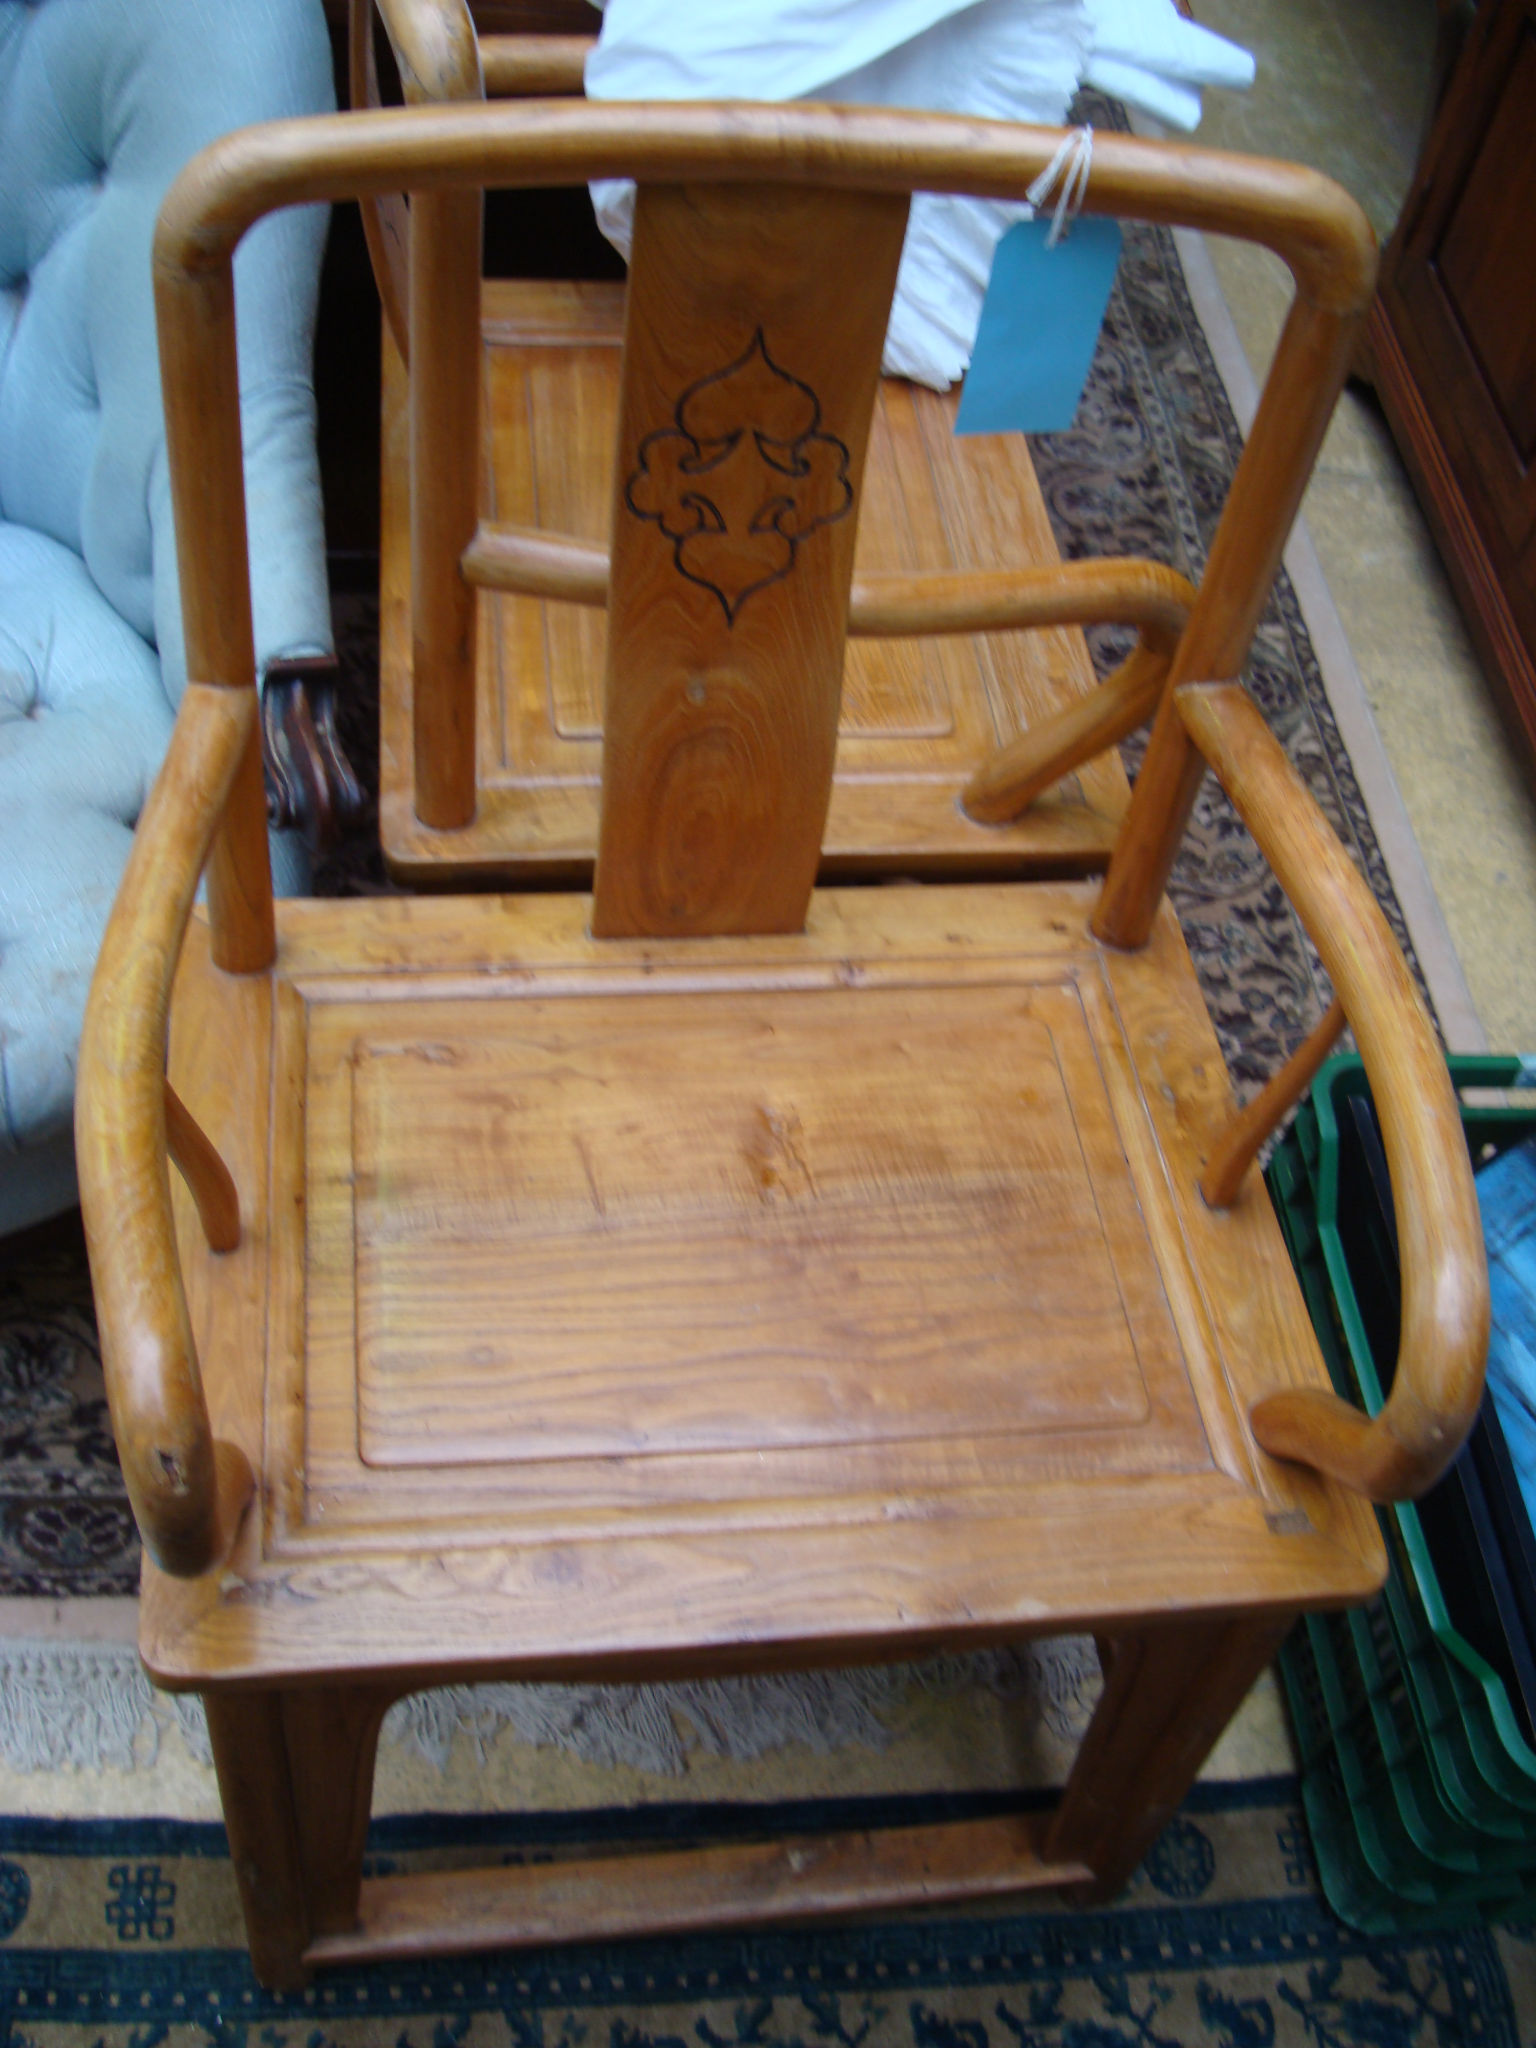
x=589, y=1197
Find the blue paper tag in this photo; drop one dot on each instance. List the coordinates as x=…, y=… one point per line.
x=1040, y=322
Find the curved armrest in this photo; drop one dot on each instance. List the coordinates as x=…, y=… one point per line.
x=1439, y=1380
x=187, y=1492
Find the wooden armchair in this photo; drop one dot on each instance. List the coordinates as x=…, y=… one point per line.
x=489, y=772
x=717, y=1273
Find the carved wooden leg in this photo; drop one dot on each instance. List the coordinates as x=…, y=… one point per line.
x=296, y=1779
x=250, y=1754
x=1168, y=1693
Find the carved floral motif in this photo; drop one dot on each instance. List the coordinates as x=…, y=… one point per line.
x=741, y=477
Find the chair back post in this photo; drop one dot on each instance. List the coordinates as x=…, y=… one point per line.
x=430, y=41
x=445, y=497
x=1299, y=395
x=437, y=51
x=195, y=315
x=386, y=219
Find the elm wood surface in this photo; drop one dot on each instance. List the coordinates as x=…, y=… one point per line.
x=530, y=66
x=880, y=1295
x=815, y=1177
x=1438, y=1381
x=538, y=562
x=206, y=1175
x=735, y=500
x=1453, y=344
x=873, y=1076
x=733, y=1885
x=1238, y=1147
x=1168, y=1693
x=168, y=1457
x=1049, y=748
x=918, y=715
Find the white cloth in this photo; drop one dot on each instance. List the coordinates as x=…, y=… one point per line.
x=1153, y=36
x=1010, y=60
x=1145, y=52
x=1013, y=60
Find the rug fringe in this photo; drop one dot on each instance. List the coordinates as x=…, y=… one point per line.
x=75, y=1706
x=89, y=1706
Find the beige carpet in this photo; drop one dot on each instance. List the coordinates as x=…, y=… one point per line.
x=942, y=1728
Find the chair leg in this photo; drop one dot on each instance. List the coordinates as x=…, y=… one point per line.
x=1168, y=1693
x=250, y=1754
x=296, y=1780
x=333, y=1738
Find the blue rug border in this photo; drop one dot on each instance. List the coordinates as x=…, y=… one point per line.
x=726, y=1820
x=823, y=1963
x=904, y=1960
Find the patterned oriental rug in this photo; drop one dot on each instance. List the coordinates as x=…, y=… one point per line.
x=1144, y=470
x=119, y=1934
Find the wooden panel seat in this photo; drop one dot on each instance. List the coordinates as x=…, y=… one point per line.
x=918, y=715
x=719, y=1272
x=662, y=1260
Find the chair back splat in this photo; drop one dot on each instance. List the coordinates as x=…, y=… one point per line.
x=752, y=348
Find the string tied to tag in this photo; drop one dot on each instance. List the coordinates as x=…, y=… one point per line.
x=1071, y=164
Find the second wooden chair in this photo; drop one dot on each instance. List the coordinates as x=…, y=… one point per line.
x=493, y=636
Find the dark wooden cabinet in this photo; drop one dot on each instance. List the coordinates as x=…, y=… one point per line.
x=1453, y=336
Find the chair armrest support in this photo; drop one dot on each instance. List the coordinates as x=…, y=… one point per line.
x=529, y=66
x=1439, y=1379
x=187, y=1492
x=436, y=48
x=437, y=54
x=1243, y=1139
x=536, y=561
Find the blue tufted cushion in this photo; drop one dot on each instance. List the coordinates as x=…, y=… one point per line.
x=101, y=103
x=83, y=725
